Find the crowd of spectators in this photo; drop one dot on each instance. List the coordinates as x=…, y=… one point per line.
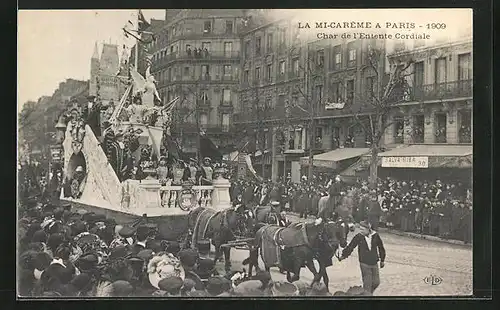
x=425, y=207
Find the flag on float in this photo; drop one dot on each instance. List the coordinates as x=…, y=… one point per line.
x=170, y=105
x=208, y=148
x=143, y=24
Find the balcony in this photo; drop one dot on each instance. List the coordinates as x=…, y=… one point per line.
x=449, y=90
x=191, y=56
x=191, y=128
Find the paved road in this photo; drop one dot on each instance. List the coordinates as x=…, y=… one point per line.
x=408, y=262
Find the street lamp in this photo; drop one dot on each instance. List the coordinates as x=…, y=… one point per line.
x=60, y=130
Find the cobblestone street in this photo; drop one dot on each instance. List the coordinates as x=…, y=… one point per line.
x=409, y=261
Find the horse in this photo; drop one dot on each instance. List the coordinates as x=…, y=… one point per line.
x=295, y=254
x=219, y=226
x=326, y=251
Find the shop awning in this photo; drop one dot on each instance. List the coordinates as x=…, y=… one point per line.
x=331, y=158
x=428, y=156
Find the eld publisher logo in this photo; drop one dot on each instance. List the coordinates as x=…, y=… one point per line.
x=433, y=280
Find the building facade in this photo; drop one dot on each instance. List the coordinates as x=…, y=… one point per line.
x=108, y=73
x=196, y=57
x=439, y=104
x=287, y=82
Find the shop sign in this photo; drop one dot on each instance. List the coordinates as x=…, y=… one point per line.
x=405, y=162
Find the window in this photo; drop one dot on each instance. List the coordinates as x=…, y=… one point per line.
x=464, y=67
x=247, y=48
x=225, y=122
x=350, y=90
x=419, y=74
x=417, y=129
x=203, y=119
x=269, y=69
x=205, y=72
x=399, y=130
x=281, y=101
x=464, y=129
x=228, y=49
x=283, y=35
x=320, y=56
x=257, y=45
x=440, y=128
x=188, y=47
x=319, y=94
x=257, y=74
x=204, y=96
x=337, y=57
x=169, y=74
x=205, y=45
x=229, y=26
x=295, y=66
x=207, y=27
x=171, y=50
x=336, y=93
x=246, y=75
x=440, y=70
x=226, y=95
x=227, y=70
x=351, y=57
x=269, y=43
x=282, y=67
x=186, y=71
x=370, y=87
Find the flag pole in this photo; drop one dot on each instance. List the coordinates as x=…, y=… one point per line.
x=136, y=58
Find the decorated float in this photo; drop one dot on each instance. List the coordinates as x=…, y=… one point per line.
x=90, y=180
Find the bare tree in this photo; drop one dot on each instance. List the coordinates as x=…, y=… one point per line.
x=376, y=102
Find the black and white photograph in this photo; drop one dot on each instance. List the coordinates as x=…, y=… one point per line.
x=232, y=153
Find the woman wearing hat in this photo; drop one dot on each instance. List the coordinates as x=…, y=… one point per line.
x=370, y=251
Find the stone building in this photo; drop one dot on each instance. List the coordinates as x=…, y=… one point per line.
x=273, y=92
x=196, y=56
x=108, y=73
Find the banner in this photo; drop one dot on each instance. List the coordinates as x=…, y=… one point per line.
x=405, y=162
x=250, y=167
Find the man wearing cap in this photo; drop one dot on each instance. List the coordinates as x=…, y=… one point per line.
x=189, y=261
x=370, y=251
x=374, y=210
x=171, y=286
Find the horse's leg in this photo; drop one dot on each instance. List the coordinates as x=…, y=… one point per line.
x=312, y=268
x=217, y=245
x=227, y=259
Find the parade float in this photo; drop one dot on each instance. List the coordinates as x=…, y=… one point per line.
x=91, y=182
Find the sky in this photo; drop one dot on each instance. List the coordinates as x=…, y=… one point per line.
x=56, y=45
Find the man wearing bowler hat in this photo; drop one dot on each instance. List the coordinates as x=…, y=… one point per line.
x=370, y=251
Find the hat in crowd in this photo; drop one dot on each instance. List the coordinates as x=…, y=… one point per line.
x=365, y=224
x=145, y=255
x=193, y=160
x=188, y=285
x=91, y=97
x=142, y=232
x=250, y=288
x=81, y=282
x=82, y=212
x=127, y=232
x=173, y=247
x=217, y=285
x=39, y=236
x=318, y=289
x=203, y=246
x=164, y=266
x=120, y=251
x=188, y=257
x=87, y=262
x=122, y=288
x=197, y=293
x=281, y=288
x=171, y=285
x=207, y=159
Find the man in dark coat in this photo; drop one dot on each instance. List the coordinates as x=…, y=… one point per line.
x=374, y=212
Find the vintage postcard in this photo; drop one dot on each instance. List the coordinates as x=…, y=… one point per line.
x=245, y=153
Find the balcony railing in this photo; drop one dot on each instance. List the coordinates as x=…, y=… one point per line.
x=209, y=128
x=185, y=55
x=449, y=90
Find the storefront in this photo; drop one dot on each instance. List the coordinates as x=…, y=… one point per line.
x=334, y=161
x=427, y=162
